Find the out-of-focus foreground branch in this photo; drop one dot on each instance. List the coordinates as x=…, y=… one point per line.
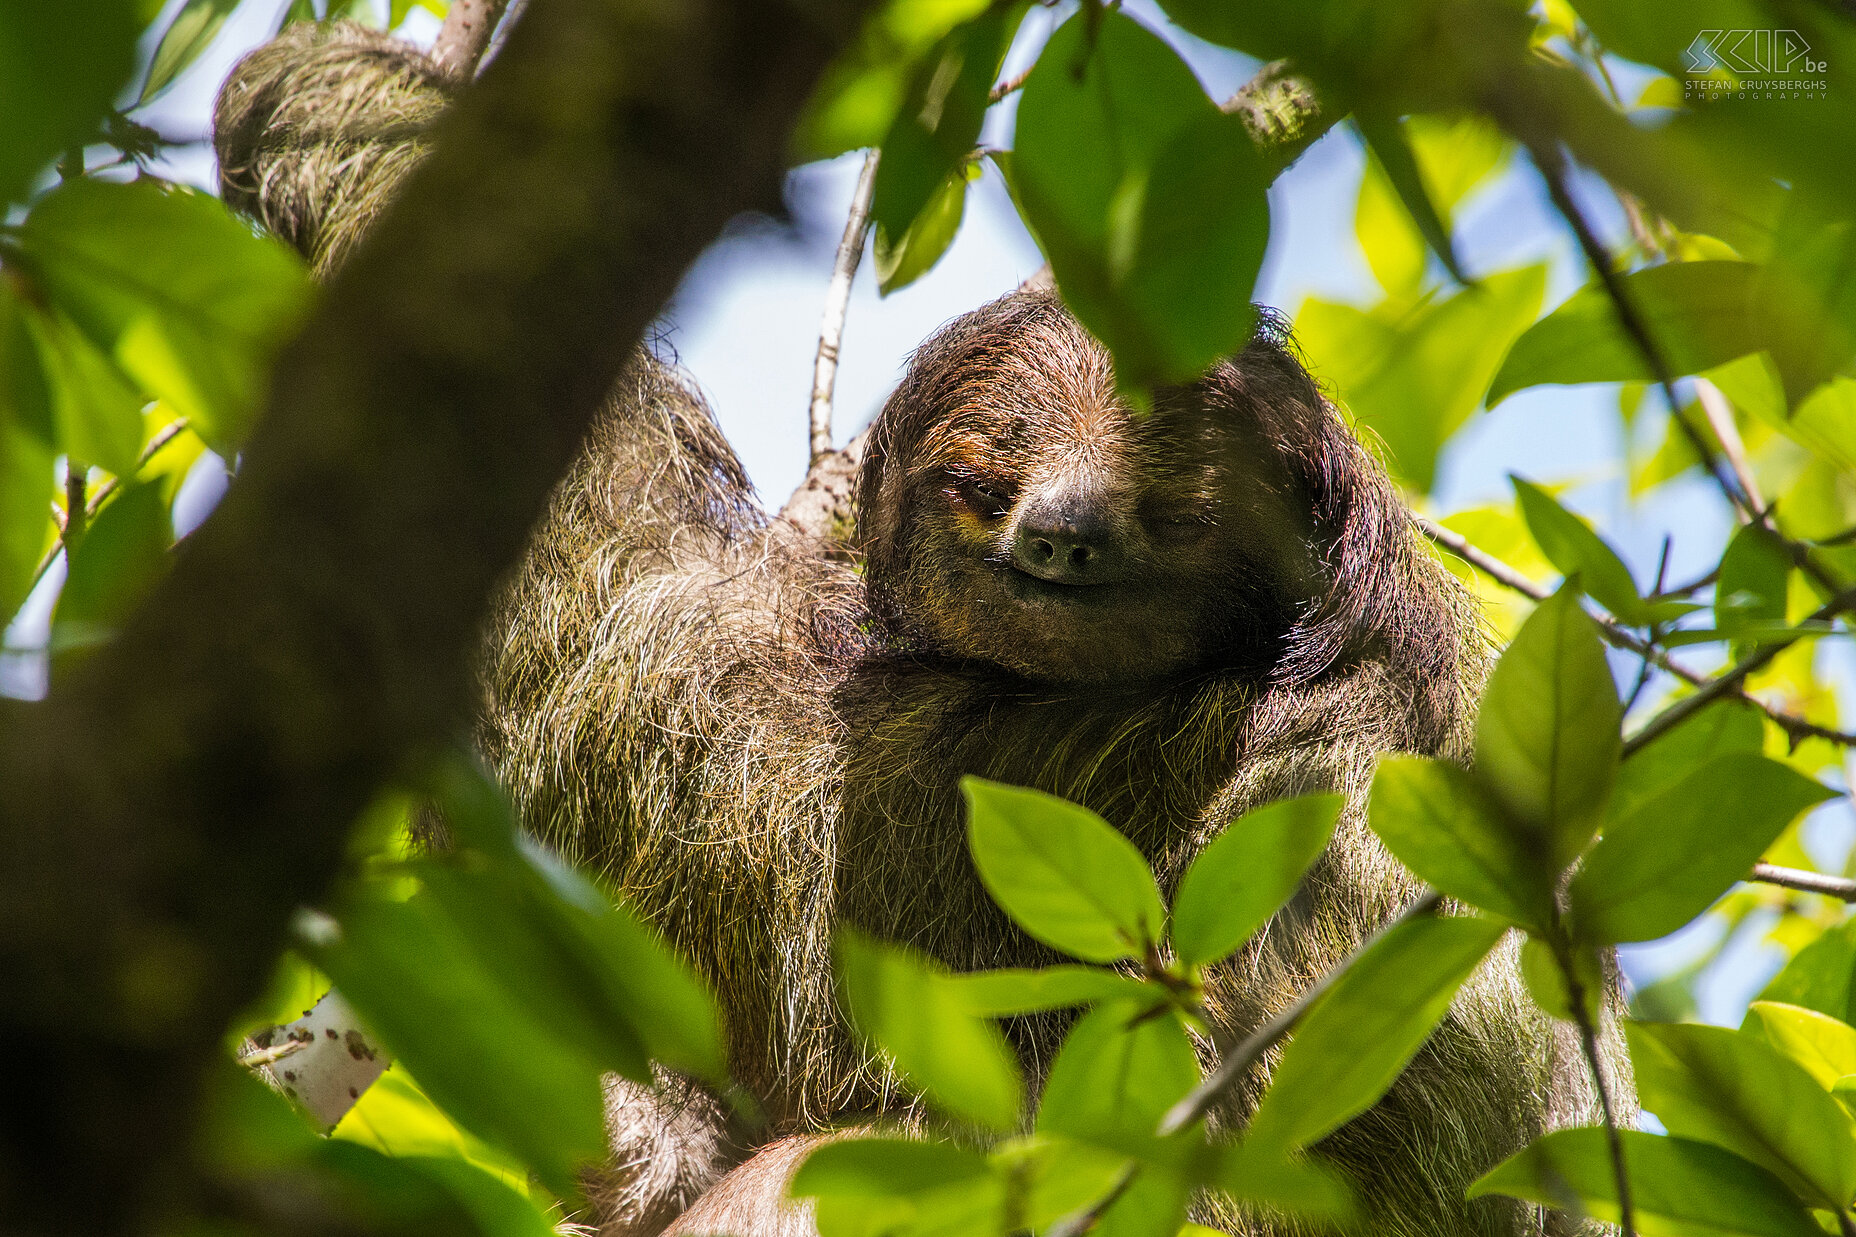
x=191, y=783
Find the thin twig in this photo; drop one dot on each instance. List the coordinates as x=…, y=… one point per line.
x=1729, y=683
x=1797, y=728
x=1007, y=86
x=1841, y=887
x=1588, y=1039
x=275, y=1053
x=1720, y=416
x=465, y=34
x=166, y=435
x=1655, y=637
x=837, y=301
x=76, y=506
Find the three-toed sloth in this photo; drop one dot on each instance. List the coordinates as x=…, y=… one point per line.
x=1171, y=617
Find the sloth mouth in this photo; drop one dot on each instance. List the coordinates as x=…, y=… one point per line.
x=1023, y=586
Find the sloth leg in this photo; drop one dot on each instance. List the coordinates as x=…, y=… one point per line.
x=670, y=1143
x=751, y=1200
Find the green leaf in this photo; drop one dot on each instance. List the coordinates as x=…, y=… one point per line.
x=1149, y=202
x=1120, y=1069
x=913, y=1011
x=191, y=32
x=601, y=979
x=1678, y=1186
x=1825, y=1046
x=1723, y=727
x=1056, y=1176
x=1308, y=1189
x=1547, y=737
x=859, y=97
x=1386, y=140
x=1440, y=823
x=1822, y=976
x=1247, y=872
x=1356, y=1040
x=1545, y=978
x=939, y=123
x=1000, y=993
x=1755, y=573
x=396, y=1117
x=886, y=1168
x=1062, y=872
x=61, y=64
x=121, y=557
x=1416, y=380
x=1570, y=545
x=901, y=263
x=475, y=1046
x=1737, y=1092
x=175, y=291
x=27, y=476
x=1666, y=862
x=1699, y=313
x=97, y=412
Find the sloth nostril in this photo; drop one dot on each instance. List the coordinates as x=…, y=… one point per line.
x=1079, y=557
x=1043, y=549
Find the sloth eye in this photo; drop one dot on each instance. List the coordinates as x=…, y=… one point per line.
x=989, y=499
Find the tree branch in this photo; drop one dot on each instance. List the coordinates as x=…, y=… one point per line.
x=1808, y=882
x=465, y=35
x=837, y=301
x=191, y=783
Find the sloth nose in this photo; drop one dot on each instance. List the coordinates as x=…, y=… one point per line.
x=1067, y=542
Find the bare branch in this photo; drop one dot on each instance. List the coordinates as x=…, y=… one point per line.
x=466, y=33
x=1808, y=882
x=837, y=301
x=1720, y=416
x=1796, y=727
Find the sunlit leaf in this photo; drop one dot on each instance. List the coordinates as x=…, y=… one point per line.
x=1544, y=973
x=1389, y=145
x=998, y=993
x=396, y=1117
x=191, y=32
x=901, y=263
x=1822, y=976
x=911, y=1009
x=1057, y=1176
x=1737, y=1092
x=1571, y=545
x=60, y=66
x=1681, y=1187
x=1355, y=1042
x=1724, y=726
x=1119, y=1070
x=1679, y=850
x=1825, y=1046
x=1148, y=201
x=1247, y=872
x=1547, y=736
x=1755, y=572
x=858, y=97
x=118, y=561
x=174, y=291
x=1065, y=874
x=1442, y=825
x=97, y=412
x=27, y=477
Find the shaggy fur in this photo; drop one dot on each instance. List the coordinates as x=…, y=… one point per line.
x=756, y=741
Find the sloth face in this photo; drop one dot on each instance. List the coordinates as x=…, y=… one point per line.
x=1022, y=514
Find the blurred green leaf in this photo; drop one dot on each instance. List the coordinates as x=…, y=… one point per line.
x=97, y=412
x=1678, y=1186
x=1724, y=726
x=1570, y=545
x=1439, y=822
x=487, y=1058
x=1545, y=977
x=1821, y=976
x=1547, y=736
x=1825, y=1046
x=1755, y=572
x=1386, y=140
x=1247, y=872
x=860, y=95
x=1356, y=1040
x=935, y=131
x=999, y=993
x=913, y=1011
x=1453, y=156
x=27, y=482
x=1056, y=1176
x=1120, y=1069
x=1149, y=202
x=118, y=561
x=396, y=1117
x=1735, y=1091
x=1679, y=850
x=60, y=66
x=399, y=10
x=1062, y=872
x=1304, y=1188
x=901, y=263
x=1699, y=313
x=1416, y=380
x=887, y=1168
x=174, y=291
x=191, y=32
